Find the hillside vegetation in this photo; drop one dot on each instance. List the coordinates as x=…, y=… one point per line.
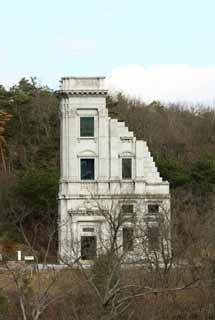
x=181, y=139
x=181, y=286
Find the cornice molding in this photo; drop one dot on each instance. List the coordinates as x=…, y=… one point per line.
x=66, y=93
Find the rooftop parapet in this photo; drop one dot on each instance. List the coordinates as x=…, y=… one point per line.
x=82, y=85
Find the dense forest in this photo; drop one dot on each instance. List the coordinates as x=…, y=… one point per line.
x=181, y=139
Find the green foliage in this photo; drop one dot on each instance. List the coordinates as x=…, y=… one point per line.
x=4, y=303
x=32, y=153
x=203, y=175
x=172, y=171
x=34, y=123
x=9, y=234
x=37, y=188
x=182, y=140
x=199, y=176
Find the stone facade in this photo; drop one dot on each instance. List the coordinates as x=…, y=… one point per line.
x=103, y=168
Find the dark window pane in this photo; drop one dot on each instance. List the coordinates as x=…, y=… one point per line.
x=128, y=239
x=88, y=247
x=88, y=229
x=153, y=208
x=87, y=169
x=153, y=213
x=87, y=126
x=153, y=237
x=127, y=208
x=126, y=169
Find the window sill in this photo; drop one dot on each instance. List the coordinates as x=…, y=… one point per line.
x=86, y=137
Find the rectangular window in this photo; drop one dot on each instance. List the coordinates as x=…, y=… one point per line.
x=128, y=239
x=153, y=208
x=126, y=168
x=127, y=208
x=153, y=237
x=88, y=229
x=152, y=215
x=87, y=169
x=88, y=247
x=87, y=126
x=152, y=221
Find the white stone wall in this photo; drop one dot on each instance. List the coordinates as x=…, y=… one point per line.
x=112, y=142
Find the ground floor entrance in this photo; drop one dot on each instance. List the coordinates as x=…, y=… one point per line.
x=88, y=247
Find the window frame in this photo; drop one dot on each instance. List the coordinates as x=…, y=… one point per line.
x=131, y=168
x=153, y=226
x=126, y=246
x=153, y=236
x=92, y=253
x=151, y=206
x=152, y=215
x=87, y=136
x=125, y=206
x=94, y=171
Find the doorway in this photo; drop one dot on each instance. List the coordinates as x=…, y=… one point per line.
x=88, y=247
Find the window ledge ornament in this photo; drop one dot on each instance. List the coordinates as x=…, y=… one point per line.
x=126, y=139
x=87, y=154
x=87, y=138
x=126, y=154
x=84, y=213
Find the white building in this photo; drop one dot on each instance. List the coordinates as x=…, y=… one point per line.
x=104, y=170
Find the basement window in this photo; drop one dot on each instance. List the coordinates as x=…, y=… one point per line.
x=153, y=208
x=127, y=208
x=153, y=235
x=152, y=223
x=86, y=126
x=152, y=214
x=128, y=239
x=88, y=229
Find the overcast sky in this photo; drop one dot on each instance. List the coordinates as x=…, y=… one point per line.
x=154, y=49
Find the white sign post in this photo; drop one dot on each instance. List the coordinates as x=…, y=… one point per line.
x=19, y=255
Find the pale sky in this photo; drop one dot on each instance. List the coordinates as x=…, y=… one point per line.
x=154, y=49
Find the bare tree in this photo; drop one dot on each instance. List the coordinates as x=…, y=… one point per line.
x=4, y=117
x=138, y=279
x=126, y=273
